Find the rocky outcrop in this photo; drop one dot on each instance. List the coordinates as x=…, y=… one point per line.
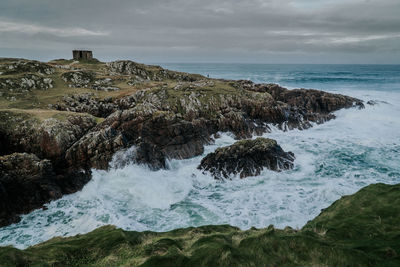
x=87, y=79
x=87, y=103
x=78, y=78
x=178, y=121
x=247, y=158
x=48, y=138
x=313, y=100
x=29, y=180
x=163, y=134
x=140, y=73
x=26, y=183
x=17, y=66
x=18, y=78
x=26, y=82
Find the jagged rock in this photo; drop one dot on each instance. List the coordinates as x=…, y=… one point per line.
x=376, y=102
x=16, y=66
x=27, y=82
x=86, y=79
x=141, y=73
x=104, y=85
x=180, y=121
x=247, y=158
x=313, y=100
x=87, y=103
x=50, y=138
x=148, y=129
x=78, y=78
x=26, y=183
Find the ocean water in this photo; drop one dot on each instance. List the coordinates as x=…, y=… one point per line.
x=359, y=148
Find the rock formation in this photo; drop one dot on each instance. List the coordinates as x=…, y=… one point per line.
x=247, y=158
x=164, y=114
x=26, y=183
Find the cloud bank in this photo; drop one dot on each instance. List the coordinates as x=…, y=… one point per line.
x=265, y=31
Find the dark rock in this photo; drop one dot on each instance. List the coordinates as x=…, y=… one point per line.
x=157, y=135
x=180, y=126
x=247, y=158
x=376, y=102
x=26, y=183
x=311, y=100
x=49, y=138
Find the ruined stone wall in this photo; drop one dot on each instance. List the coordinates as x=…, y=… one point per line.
x=82, y=55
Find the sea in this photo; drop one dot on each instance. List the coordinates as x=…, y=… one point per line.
x=358, y=148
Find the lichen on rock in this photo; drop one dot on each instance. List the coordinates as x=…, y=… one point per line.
x=17, y=66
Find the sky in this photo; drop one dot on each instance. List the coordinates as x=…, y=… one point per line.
x=206, y=31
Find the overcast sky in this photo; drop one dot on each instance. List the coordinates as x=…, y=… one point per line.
x=254, y=31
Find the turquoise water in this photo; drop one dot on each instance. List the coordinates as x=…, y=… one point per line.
x=337, y=158
x=318, y=76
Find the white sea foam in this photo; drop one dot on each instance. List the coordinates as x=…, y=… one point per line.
x=337, y=158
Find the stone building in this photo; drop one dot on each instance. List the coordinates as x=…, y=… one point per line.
x=82, y=55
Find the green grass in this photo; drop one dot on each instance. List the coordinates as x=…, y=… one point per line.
x=358, y=230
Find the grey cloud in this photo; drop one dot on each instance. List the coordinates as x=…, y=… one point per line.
x=190, y=30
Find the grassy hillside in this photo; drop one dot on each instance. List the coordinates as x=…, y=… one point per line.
x=358, y=230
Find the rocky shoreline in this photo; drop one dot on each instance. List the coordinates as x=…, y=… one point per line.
x=79, y=123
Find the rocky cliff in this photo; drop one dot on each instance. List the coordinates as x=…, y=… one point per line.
x=70, y=116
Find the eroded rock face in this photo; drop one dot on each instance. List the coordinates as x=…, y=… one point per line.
x=27, y=182
x=158, y=135
x=179, y=121
x=48, y=139
x=247, y=158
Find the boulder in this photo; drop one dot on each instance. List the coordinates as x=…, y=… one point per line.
x=247, y=158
